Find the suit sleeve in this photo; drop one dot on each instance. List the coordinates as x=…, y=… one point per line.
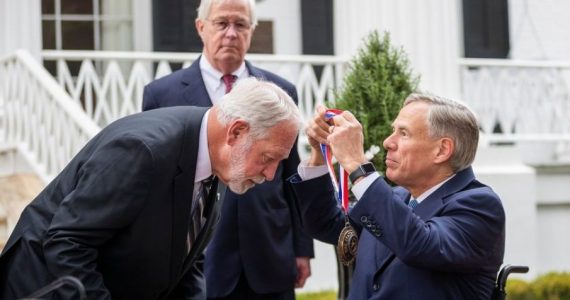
x=302, y=241
x=321, y=217
x=111, y=189
x=460, y=238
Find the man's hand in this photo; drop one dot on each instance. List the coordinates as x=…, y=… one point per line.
x=347, y=141
x=317, y=132
x=303, y=271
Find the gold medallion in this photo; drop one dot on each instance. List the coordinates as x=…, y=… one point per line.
x=347, y=244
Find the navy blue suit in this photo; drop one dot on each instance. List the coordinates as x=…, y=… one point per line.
x=449, y=247
x=258, y=235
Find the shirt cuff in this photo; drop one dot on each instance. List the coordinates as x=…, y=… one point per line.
x=307, y=172
x=360, y=188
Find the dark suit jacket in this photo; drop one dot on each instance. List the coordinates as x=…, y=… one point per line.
x=450, y=247
x=117, y=216
x=258, y=233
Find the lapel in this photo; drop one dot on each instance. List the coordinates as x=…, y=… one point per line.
x=183, y=190
x=194, y=92
x=253, y=71
x=428, y=208
x=432, y=204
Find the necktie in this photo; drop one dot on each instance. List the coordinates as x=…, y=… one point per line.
x=413, y=203
x=197, y=213
x=229, y=80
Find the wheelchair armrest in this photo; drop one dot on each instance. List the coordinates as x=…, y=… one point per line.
x=499, y=291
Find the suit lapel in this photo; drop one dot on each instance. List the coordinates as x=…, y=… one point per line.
x=432, y=204
x=194, y=93
x=183, y=190
x=253, y=71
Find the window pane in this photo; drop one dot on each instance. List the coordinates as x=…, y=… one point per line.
x=48, y=34
x=48, y=7
x=79, y=7
x=77, y=35
x=116, y=35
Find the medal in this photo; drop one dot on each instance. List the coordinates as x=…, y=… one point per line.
x=348, y=239
x=347, y=244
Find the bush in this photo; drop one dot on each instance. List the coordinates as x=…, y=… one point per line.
x=519, y=289
x=324, y=295
x=552, y=286
x=378, y=81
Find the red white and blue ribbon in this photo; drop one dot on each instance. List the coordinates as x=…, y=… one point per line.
x=340, y=187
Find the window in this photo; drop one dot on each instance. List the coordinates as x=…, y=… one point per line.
x=486, y=28
x=87, y=24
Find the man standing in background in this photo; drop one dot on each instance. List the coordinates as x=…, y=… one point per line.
x=259, y=251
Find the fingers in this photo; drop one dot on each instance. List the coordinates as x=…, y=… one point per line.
x=317, y=128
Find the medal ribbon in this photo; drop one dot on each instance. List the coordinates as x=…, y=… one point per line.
x=340, y=187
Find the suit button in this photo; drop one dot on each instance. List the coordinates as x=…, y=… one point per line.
x=376, y=286
x=363, y=219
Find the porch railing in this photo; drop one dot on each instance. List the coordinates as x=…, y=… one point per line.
x=521, y=101
x=38, y=118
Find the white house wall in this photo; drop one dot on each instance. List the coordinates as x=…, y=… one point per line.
x=428, y=30
x=286, y=17
x=539, y=29
x=20, y=26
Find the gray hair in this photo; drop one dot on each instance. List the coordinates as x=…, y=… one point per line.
x=450, y=118
x=205, y=6
x=260, y=103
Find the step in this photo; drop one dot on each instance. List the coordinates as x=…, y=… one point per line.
x=16, y=191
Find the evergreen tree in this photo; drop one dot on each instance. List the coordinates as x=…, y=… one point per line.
x=378, y=81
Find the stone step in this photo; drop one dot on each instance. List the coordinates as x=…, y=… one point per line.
x=16, y=191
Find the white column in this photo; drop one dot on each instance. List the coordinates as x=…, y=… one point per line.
x=502, y=169
x=428, y=30
x=20, y=26
x=142, y=25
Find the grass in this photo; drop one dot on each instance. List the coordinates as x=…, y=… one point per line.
x=322, y=295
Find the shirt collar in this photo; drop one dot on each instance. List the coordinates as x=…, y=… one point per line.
x=430, y=191
x=213, y=78
x=203, y=164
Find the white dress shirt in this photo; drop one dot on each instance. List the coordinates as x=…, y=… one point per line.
x=213, y=78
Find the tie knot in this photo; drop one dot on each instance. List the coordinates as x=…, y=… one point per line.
x=413, y=203
x=229, y=80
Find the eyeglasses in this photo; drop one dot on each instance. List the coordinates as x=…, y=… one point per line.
x=223, y=25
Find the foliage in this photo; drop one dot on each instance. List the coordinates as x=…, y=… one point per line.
x=519, y=289
x=323, y=295
x=551, y=286
x=378, y=81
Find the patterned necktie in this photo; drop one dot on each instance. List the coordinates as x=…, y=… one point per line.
x=197, y=214
x=413, y=203
x=229, y=80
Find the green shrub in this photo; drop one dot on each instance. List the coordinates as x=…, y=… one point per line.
x=519, y=289
x=552, y=286
x=323, y=295
x=378, y=81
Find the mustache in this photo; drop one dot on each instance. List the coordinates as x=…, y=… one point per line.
x=258, y=179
